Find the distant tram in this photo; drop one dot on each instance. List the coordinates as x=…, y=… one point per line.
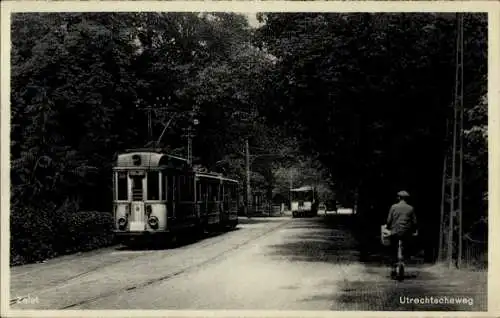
x=303, y=201
x=159, y=195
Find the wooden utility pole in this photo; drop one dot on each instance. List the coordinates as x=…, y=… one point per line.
x=189, y=135
x=454, y=211
x=249, y=190
x=149, y=111
x=441, y=218
x=291, y=187
x=460, y=105
x=453, y=188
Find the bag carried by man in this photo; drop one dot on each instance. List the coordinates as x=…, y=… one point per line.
x=385, y=235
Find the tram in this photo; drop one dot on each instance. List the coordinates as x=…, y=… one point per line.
x=160, y=196
x=303, y=201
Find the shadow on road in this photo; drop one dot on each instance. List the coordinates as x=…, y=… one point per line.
x=319, y=239
x=431, y=291
x=334, y=239
x=260, y=219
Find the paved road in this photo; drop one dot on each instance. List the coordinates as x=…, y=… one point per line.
x=267, y=264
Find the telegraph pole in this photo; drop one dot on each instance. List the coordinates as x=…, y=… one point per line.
x=246, y=117
x=291, y=187
x=460, y=102
x=456, y=179
x=148, y=110
x=452, y=179
x=441, y=218
x=249, y=190
x=189, y=135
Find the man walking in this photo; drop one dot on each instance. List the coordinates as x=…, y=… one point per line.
x=402, y=223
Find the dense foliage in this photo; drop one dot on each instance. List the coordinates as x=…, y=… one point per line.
x=355, y=103
x=372, y=93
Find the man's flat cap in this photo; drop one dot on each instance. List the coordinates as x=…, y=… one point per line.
x=403, y=194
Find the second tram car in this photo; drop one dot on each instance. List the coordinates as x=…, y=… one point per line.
x=303, y=201
x=160, y=195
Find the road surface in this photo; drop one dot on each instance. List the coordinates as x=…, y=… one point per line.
x=276, y=263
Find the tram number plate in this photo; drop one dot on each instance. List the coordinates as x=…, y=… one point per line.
x=137, y=226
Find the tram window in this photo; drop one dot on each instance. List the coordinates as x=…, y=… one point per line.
x=170, y=188
x=198, y=191
x=180, y=188
x=122, y=186
x=230, y=190
x=184, y=188
x=308, y=196
x=187, y=189
x=215, y=192
x=210, y=192
x=180, y=181
x=203, y=191
x=234, y=192
x=164, y=187
x=153, y=185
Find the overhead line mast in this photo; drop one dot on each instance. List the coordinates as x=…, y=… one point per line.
x=450, y=236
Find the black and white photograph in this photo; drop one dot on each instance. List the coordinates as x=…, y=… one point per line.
x=214, y=160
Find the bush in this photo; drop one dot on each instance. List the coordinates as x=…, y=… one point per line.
x=83, y=231
x=31, y=236
x=39, y=236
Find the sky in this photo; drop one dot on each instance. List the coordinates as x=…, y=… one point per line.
x=252, y=19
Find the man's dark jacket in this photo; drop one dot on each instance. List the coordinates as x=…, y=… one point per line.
x=402, y=220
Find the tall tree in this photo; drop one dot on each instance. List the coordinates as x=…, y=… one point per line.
x=371, y=93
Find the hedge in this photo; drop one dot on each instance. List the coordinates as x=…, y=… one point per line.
x=45, y=233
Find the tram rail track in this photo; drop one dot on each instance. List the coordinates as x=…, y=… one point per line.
x=210, y=240
x=217, y=238
x=181, y=271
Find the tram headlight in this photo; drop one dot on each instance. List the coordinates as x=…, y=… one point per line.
x=122, y=222
x=153, y=222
